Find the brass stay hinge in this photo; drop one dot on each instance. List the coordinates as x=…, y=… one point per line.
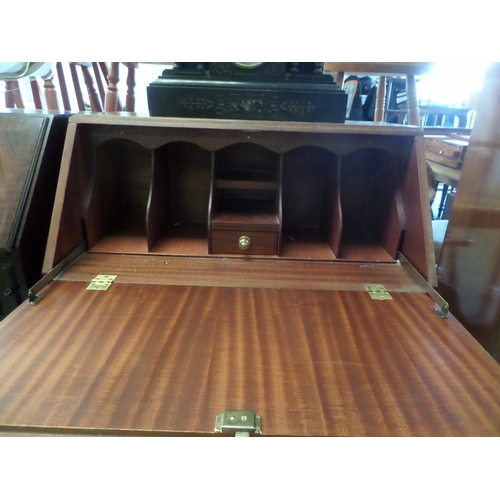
x=102, y=282
x=241, y=422
x=441, y=307
x=34, y=295
x=378, y=292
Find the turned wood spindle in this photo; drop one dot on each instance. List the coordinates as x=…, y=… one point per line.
x=380, y=101
x=50, y=94
x=9, y=95
x=130, y=100
x=95, y=103
x=37, y=100
x=112, y=94
x=411, y=96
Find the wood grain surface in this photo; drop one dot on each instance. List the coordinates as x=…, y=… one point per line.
x=240, y=271
x=169, y=358
x=124, y=118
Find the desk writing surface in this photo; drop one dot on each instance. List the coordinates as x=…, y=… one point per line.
x=146, y=357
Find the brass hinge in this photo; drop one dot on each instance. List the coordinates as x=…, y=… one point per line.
x=241, y=422
x=378, y=292
x=102, y=282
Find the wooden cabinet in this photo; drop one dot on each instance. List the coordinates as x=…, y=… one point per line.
x=318, y=323
x=447, y=151
x=31, y=145
x=194, y=188
x=469, y=264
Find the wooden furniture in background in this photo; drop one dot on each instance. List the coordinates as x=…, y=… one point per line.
x=445, y=155
x=193, y=323
x=30, y=154
x=469, y=265
x=56, y=88
x=112, y=102
x=384, y=69
x=436, y=116
x=449, y=177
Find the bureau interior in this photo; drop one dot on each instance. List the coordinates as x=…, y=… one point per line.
x=322, y=205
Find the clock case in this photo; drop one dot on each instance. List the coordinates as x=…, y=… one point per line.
x=264, y=91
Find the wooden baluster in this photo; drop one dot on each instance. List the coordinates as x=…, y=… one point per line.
x=10, y=102
x=130, y=100
x=76, y=85
x=98, y=79
x=50, y=94
x=62, y=85
x=36, y=92
x=112, y=95
x=380, y=101
x=411, y=96
x=18, y=98
x=95, y=103
x=104, y=69
x=105, y=72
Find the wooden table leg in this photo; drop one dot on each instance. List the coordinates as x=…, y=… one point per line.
x=443, y=200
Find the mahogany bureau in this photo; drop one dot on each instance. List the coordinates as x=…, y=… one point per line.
x=279, y=271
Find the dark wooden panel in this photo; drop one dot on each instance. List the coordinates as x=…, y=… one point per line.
x=385, y=218
x=157, y=211
x=66, y=229
x=189, y=171
x=20, y=141
x=31, y=145
x=418, y=245
x=170, y=358
x=307, y=183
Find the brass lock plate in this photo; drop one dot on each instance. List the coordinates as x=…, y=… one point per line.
x=238, y=421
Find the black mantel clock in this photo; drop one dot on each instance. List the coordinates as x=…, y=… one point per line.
x=248, y=90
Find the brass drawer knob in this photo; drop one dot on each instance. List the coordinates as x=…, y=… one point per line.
x=244, y=242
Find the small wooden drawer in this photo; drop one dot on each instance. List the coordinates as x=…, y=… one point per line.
x=244, y=242
x=448, y=152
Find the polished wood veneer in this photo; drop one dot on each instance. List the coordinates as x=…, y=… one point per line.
x=185, y=332
x=235, y=271
x=126, y=178
x=169, y=358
